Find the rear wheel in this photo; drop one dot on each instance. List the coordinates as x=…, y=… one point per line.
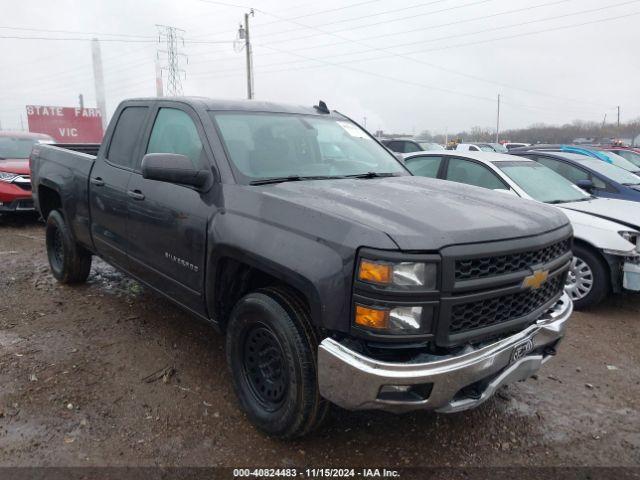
x=271, y=351
x=588, y=281
x=69, y=262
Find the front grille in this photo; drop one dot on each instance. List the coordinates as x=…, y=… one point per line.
x=484, y=267
x=492, y=311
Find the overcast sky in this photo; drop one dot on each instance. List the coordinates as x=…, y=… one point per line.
x=405, y=65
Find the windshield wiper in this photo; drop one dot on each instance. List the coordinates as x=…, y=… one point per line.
x=370, y=175
x=292, y=178
x=555, y=202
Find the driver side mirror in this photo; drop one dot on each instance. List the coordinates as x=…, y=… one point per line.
x=173, y=168
x=586, y=185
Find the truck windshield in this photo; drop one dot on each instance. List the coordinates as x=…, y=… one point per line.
x=541, y=183
x=15, y=147
x=274, y=145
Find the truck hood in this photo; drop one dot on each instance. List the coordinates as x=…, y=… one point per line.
x=19, y=166
x=417, y=213
x=620, y=211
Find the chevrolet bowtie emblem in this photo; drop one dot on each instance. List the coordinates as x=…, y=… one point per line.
x=536, y=280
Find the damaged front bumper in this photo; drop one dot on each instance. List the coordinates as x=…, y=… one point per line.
x=450, y=384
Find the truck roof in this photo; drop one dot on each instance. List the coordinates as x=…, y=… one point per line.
x=237, y=105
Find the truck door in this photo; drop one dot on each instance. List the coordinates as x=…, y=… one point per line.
x=168, y=222
x=108, y=186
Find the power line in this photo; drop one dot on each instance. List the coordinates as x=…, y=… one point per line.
x=119, y=40
x=406, y=55
x=42, y=30
x=347, y=65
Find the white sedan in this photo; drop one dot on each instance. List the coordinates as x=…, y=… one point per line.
x=607, y=232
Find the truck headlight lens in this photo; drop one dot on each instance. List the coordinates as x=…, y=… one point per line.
x=7, y=177
x=405, y=319
x=401, y=274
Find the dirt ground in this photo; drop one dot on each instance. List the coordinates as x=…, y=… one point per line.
x=74, y=388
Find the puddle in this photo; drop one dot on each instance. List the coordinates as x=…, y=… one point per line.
x=112, y=281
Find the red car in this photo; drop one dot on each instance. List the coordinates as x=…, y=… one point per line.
x=15, y=183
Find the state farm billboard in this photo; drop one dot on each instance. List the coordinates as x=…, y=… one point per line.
x=66, y=124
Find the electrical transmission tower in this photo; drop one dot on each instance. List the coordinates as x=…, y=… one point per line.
x=171, y=37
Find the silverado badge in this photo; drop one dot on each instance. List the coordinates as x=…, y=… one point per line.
x=536, y=280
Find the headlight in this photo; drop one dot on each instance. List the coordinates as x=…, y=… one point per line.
x=7, y=177
x=401, y=274
x=399, y=320
x=631, y=237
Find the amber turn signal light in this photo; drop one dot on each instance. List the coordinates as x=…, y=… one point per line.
x=372, y=317
x=375, y=272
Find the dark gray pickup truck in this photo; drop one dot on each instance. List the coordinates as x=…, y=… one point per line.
x=335, y=274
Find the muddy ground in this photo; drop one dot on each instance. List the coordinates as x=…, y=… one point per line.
x=73, y=363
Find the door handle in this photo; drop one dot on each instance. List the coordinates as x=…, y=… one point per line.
x=136, y=194
x=97, y=181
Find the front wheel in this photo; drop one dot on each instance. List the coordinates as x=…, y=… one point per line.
x=271, y=351
x=69, y=262
x=588, y=281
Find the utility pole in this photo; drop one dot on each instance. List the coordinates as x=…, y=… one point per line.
x=172, y=36
x=243, y=34
x=604, y=121
x=98, y=77
x=498, y=122
x=618, y=119
x=81, y=101
x=364, y=122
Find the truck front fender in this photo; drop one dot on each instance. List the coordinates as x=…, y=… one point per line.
x=320, y=271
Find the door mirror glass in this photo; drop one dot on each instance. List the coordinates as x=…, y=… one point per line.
x=173, y=168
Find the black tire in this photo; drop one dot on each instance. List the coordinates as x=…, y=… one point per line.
x=600, y=275
x=69, y=262
x=272, y=354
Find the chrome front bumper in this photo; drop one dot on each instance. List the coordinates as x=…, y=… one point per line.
x=354, y=381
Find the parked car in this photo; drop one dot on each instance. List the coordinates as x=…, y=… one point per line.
x=15, y=183
x=430, y=146
x=337, y=279
x=608, y=157
x=628, y=153
x=481, y=147
x=510, y=145
x=401, y=145
x=606, y=248
x=599, y=178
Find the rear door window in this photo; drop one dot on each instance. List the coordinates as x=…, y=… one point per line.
x=472, y=173
x=424, y=166
x=125, y=137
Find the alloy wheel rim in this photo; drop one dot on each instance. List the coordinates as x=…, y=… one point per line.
x=579, y=280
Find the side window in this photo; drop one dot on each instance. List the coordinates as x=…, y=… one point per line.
x=566, y=170
x=395, y=146
x=424, y=166
x=473, y=148
x=410, y=147
x=174, y=132
x=471, y=173
x=125, y=136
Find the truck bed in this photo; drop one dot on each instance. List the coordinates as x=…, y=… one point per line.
x=66, y=172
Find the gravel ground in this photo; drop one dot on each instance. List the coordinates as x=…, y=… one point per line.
x=109, y=373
